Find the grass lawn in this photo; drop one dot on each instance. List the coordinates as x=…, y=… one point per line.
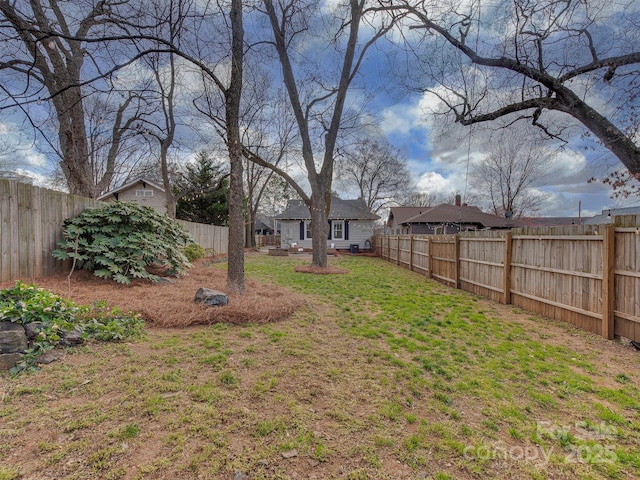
x=382, y=374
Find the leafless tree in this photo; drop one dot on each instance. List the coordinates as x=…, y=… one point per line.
x=46, y=61
x=507, y=176
x=318, y=102
x=377, y=170
x=522, y=60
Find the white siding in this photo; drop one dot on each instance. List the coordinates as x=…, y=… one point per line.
x=359, y=232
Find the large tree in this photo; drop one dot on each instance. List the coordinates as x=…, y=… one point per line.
x=317, y=81
x=505, y=179
x=377, y=171
x=523, y=59
x=51, y=52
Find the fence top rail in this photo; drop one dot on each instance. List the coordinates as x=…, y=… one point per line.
x=558, y=237
x=480, y=239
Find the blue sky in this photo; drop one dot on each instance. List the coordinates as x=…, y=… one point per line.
x=439, y=154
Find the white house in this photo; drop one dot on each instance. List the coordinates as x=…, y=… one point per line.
x=350, y=222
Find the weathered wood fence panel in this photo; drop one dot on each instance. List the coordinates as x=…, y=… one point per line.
x=31, y=221
x=558, y=273
x=444, y=260
x=420, y=254
x=586, y=275
x=482, y=263
x=626, y=309
x=30, y=226
x=209, y=237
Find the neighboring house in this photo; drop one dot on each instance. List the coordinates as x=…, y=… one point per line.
x=448, y=219
x=267, y=225
x=398, y=215
x=549, y=221
x=140, y=191
x=350, y=222
x=607, y=215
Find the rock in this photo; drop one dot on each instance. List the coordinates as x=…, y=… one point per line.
x=9, y=360
x=68, y=339
x=290, y=454
x=32, y=329
x=11, y=327
x=240, y=476
x=211, y=298
x=13, y=341
x=50, y=356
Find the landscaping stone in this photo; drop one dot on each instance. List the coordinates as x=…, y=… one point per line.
x=9, y=360
x=211, y=298
x=32, y=329
x=16, y=338
x=69, y=339
x=50, y=356
x=13, y=341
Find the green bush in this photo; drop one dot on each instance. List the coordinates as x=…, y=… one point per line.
x=193, y=251
x=121, y=240
x=27, y=303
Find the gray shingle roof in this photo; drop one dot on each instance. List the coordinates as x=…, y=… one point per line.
x=400, y=214
x=446, y=213
x=340, y=210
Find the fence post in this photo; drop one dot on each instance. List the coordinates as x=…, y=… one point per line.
x=398, y=252
x=411, y=252
x=608, y=281
x=506, y=277
x=457, y=258
x=429, y=260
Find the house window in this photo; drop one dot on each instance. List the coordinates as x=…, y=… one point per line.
x=338, y=228
x=307, y=229
x=144, y=193
x=439, y=230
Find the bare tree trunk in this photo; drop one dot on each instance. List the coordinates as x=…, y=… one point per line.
x=73, y=143
x=235, y=273
x=319, y=228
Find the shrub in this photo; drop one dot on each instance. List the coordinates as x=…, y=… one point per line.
x=193, y=251
x=27, y=303
x=121, y=240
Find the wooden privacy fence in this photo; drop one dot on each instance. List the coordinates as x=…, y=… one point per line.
x=209, y=237
x=31, y=225
x=586, y=275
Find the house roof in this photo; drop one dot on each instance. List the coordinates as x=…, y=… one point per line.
x=340, y=210
x=263, y=221
x=400, y=214
x=129, y=185
x=604, y=218
x=446, y=213
x=548, y=221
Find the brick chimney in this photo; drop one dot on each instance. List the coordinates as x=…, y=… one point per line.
x=458, y=201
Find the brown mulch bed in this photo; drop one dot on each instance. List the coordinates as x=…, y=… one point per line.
x=172, y=305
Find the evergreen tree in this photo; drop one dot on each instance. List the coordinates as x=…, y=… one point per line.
x=203, y=192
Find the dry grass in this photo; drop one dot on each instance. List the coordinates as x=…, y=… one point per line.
x=380, y=375
x=172, y=305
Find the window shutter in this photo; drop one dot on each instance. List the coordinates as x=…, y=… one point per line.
x=329, y=237
x=346, y=229
x=301, y=229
